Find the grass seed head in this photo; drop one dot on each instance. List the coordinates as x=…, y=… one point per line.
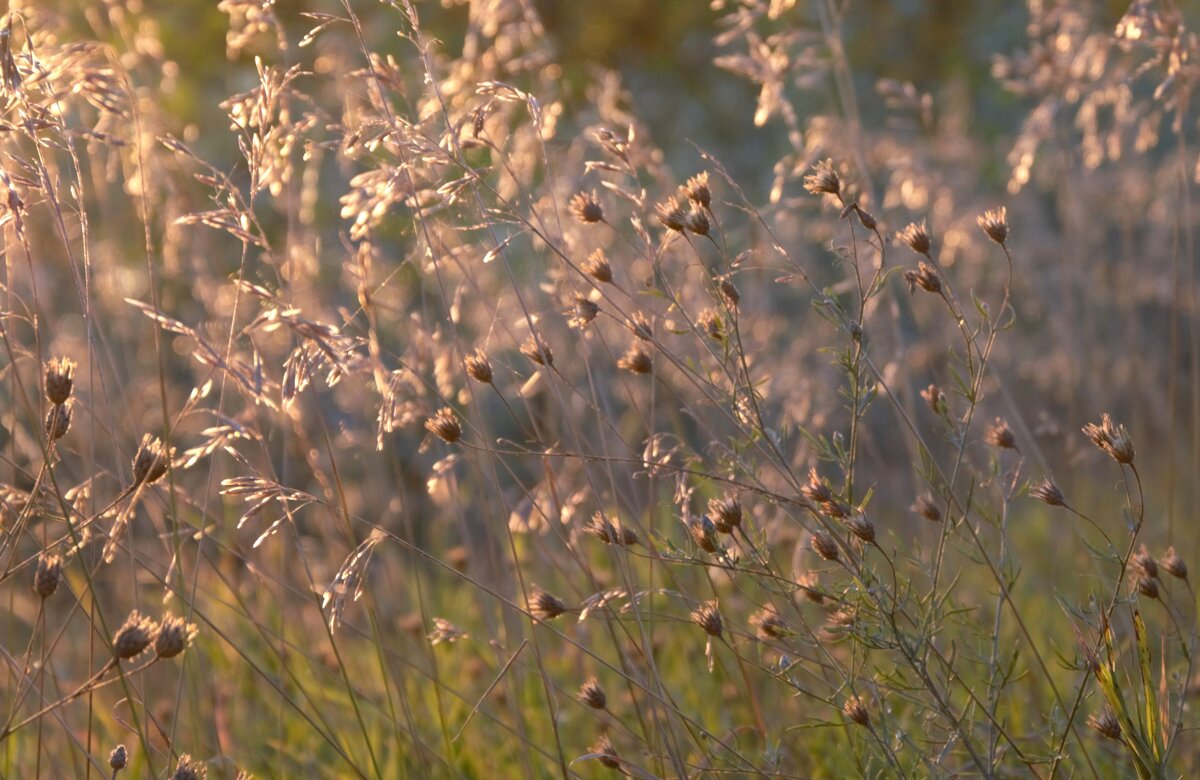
x=671, y=215
x=605, y=752
x=1143, y=563
x=1105, y=724
x=999, y=435
x=923, y=276
x=697, y=221
x=60, y=380
x=636, y=360
x=151, y=461
x=1111, y=438
x=538, y=354
x=444, y=425
x=855, y=711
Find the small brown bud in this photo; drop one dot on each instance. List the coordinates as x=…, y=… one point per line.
x=538, y=351
x=582, y=313
x=133, y=636
x=1047, y=491
x=174, y=636
x=923, y=276
x=823, y=179
x=48, y=575
x=544, y=605
x=189, y=769
x=598, y=267
x=671, y=215
x=58, y=420
x=479, y=367
x=608, y=532
x=927, y=508
x=855, y=711
x=704, y=533
x=697, y=221
x=1144, y=563
x=591, y=693
x=708, y=618
x=1173, y=564
x=1146, y=587
x=118, y=759
x=605, y=753
x=585, y=208
x=1111, y=438
x=726, y=513
x=999, y=435
x=825, y=546
x=1106, y=724
x=444, y=425
x=151, y=461
x=60, y=380
x=934, y=398
x=815, y=490
x=640, y=326
x=730, y=293
x=995, y=224
x=861, y=527
x=636, y=359
x=769, y=625
x=917, y=238
x=698, y=191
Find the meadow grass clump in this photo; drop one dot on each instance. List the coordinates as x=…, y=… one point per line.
x=410, y=412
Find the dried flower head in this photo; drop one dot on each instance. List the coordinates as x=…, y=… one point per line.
x=1048, y=492
x=697, y=221
x=444, y=425
x=538, y=351
x=544, y=605
x=825, y=546
x=807, y=584
x=855, y=711
x=730, y=293
x=934, y=398
x=58, y=420
x=151, y=461
x=48, y=574
x=671, y=215
x=1111, y=438
x=1143, y=563
x=708, y=618
x=118, y=759
x=995, y=224
x=608, y=532
x=927, y=508
x=726, y=513
x=823, y=179
x=585, y=208
x=923, y=276
x=815, y=490
x=591, y=693
x=174, y=636
x=189, y=768
x=710, y=324
x=639, y=324
x=133, y=636
x=605, y=753
x=861, y=527
x=999, y=435
x=478, y=366
x=1146, y=587
x=704, y=533
x=597, y=266
x=636, y=359
x=60, y=380
x=1105, y=724
x=769, y=625
x=582, y=313
x=916, y=237
x=1173, y=564
x=697, y=190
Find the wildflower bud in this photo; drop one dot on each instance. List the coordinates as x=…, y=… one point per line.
x=479, y=367
x=591, y=693
x=173, y=637
x=133, y=636
x=917, y=238
x=927, y=508
x=823, y=179
x=730, y=293
x=537, y=350
x=865, y=218
x=861, y=527
x=605, y=752
x=1111, y=438
x=697, y=221
x=640, y=326
x=726, y=513
x=807, y=583
x=1048, y=492
x=697, y=190
x=48, y=575
x=1146, y=587
x=995, y=224
x=1000, y=435
x=824, y=546
x=598, y=267
x=585, y=208
x=704, y=533
x=544, y=605
x=671, y=215
x=770, y=625
x=58, y=421
x=934, y=398
x=923, y=276
x=189, y=769
x=708, y=618
x=815, y=490
x=1174, y=565
x=60, y=380
x=444, y=425
x=636, y=360
x=606, y=531
x=151, y=460
x=1144, y=563
x=855, y=711
x=1106, y=725
x=118, y=759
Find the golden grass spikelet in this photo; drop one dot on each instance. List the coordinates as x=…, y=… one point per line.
x=999, y=435
x=586, y=208
x=174, y=636
x=597, y=266
x=444, y=425
x=48, y=574
x=151, y=461
x=916, y=237
x=592, y=694
x=636, y=359
x=1111, y=438
x=134, y=636
x=708, y=618
x=544, y=605
x=478, y=366
x=1173, y=564
x=823, y=179
x=855, y=711
x=538, y=351
x=994, y=223
x=825, y=546
x=59, y=380
x=1048, y=492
